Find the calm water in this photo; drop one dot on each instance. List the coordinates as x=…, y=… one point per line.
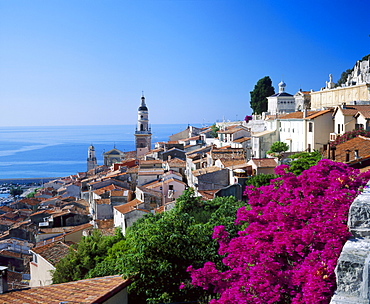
x=27, y=152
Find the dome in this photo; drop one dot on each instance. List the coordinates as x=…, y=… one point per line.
x=143, y=108
x=282, y=84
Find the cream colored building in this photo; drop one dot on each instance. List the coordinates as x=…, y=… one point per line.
x=355, y=91
x=306, y=131
x=44, y=259
x=342, y=95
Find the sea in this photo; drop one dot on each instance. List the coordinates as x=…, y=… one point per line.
x=45, y=152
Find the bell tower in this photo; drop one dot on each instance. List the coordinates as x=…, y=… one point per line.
x=91, y=159
x=143, y=134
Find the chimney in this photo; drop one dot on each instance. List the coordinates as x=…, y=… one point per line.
x=304, y=112
x=333, y=153
x=3, y=279
x=347, y=155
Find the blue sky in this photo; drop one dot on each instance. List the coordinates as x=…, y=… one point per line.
x=86, y=62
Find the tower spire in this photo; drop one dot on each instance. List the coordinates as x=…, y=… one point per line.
x=143, y=135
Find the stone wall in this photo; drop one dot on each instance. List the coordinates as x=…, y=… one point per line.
x=353, y=267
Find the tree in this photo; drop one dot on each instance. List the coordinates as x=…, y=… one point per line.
x=344, y=75
x=277, y=149
x=304, y=160
x=260, y=180
x=289, y=250
x=15, y=191
x=159, y=248
x=262, y=89
x=84, y=256
x=214, y=130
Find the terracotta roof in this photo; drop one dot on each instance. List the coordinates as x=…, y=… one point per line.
x=172, y=172
x=6, y=222
x=159, y=209
x=133, y=169
x=366, y=114
x=352, y=110
x=104, y=201
x=190, y=138
x=176, y=162
x=96, y=290
x=296, y=115
x=132, y=205
x=10, y=254
x=318, y=113
x=150, y=162
x=5, y=208
x=159, y=183
x=46, y=212
x=199, y=150
x=30, y=201
x=105, y=225
x=231, y=130
x=264, y=162
x=240, y=140
x=64, y=231
x=149, y=191
x=360, y=143
x=107, y=188
x=118, y=192
x=230, y=163
x=15, y=280
x=208, y=194
x=52, y=252
x=205, y=170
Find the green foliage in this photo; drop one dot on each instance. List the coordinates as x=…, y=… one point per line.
x=261, y=90
x=15, y=191
x=260, y=180
x=157, y=249
x=214, y=130
x=304, y=160
x=278, y=147
x=344, y=75
x=84, y=256
x=32, y=194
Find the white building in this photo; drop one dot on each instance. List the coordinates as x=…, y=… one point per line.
x=281, y=102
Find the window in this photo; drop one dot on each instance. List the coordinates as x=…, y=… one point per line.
x=170, y=187
x=338, y=128
x=310, y=126
x=359, y=126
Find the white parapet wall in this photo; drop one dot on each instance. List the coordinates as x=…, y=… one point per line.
x=353, y=267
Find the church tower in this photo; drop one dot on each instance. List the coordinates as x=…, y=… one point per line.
x=91, y=159
x=143, y=134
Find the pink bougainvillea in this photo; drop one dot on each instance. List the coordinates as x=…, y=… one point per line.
x=288, y=252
